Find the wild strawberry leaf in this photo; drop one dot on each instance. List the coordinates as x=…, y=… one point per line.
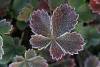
x=71, y=42
x=64, y=19
x=39, y=41
x=9, y=48
x=56, y=51
x=30, y=61
x=40, y=22
x=4, y=26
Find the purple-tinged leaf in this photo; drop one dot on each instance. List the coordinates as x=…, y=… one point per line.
x=39, y=41
x=56, y=51
x=16, y=64
x=92, y=61
x=64, y=19
x=47, y=30
x=70, y=62
x=43, y=4
x=71, y=42
x=98, y=64
x=40, y=22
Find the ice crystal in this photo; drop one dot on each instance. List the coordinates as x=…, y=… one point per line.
x=30, y=60
x=55, y=31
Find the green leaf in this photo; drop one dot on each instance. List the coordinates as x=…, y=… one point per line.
x=76, y=3
x=21, y=25
x=34, y=3
x=91, y=36
x=3, y=65
x=11, y=50
x=82, y=8
x=84, y=13
x=54, y=3
x=4, y=26
x=19, y=4
x=9, y=46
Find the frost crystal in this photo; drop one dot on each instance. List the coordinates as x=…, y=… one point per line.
x=30, y=60
x=55, y=31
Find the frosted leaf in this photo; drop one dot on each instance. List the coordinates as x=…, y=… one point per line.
x=39, y=41
x=91, y=61
x=40, y=22
x=38, y=62
x=1, y=49
x=71, y=42
x=18, y=58
x=53, y=31
x=30, y=53
x=4, y=23
x=37, y=59
x=56, y=51
x=29, y=61
x=98, y=64
x=16, y=64
x=64, y=19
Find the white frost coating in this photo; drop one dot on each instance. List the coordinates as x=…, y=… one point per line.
x=1, y=49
